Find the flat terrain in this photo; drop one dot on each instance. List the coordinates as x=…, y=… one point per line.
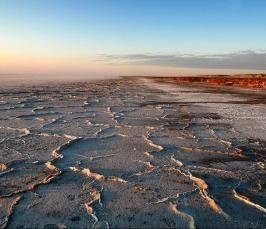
x=132, y=153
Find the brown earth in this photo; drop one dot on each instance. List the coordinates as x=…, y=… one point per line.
x=243, y=80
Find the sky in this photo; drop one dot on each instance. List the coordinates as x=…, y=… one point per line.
x=132, y=37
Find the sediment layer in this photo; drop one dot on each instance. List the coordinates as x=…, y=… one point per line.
x=247, y=81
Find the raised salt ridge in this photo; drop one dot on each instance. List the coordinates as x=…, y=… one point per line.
x=132, y=152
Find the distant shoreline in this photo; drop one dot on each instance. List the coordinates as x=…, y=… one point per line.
x=242, y=80
x=257, y=81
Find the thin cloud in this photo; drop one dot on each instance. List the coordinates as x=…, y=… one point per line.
x=252, y=60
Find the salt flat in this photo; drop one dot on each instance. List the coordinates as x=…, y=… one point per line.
x=132, y=152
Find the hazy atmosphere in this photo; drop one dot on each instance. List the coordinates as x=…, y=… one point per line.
x=121, y=37
x=132, y=114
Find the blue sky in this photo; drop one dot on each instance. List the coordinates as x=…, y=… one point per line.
x=80, y=29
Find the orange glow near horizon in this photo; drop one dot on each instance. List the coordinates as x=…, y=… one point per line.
x=44, y=64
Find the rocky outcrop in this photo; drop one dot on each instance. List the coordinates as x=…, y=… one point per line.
x=247, y=80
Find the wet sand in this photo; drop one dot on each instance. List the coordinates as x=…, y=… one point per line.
x=132, y=152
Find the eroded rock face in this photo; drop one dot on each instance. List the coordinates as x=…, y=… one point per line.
x=248, y=81
x=131, y=153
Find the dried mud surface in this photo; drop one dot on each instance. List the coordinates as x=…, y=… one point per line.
x=132, y=153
